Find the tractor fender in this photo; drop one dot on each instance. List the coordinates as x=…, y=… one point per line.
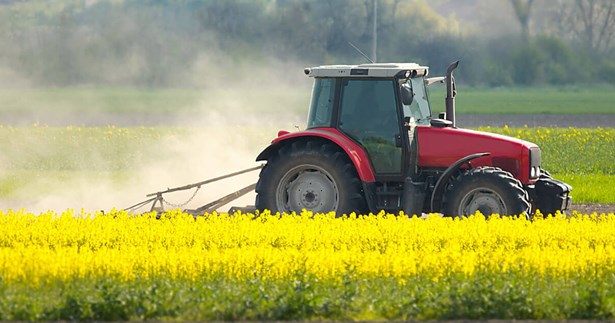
x=355, y=152
x=436, y=195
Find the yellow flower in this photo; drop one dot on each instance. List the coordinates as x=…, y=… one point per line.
x=71, y=245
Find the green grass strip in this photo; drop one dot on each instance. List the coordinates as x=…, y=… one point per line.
x=535, y=101
x=173, y=101
x=590, y=188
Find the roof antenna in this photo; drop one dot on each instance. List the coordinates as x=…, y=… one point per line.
x=360, y=52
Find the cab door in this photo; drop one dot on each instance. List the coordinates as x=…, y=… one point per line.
x=368, y=113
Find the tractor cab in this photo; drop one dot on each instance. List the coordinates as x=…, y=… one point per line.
x=375, y=105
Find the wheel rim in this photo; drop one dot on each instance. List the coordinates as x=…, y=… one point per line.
x=307, y=187
x=485, y=200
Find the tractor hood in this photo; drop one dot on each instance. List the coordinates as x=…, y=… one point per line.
x=441, y=147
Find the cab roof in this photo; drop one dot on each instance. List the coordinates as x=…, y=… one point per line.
x=400, y=70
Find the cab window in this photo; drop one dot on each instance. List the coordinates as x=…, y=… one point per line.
x=321, y=106
x=368, y=114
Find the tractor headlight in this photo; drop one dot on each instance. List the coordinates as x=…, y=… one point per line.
x=535, y=162
x=534, y=172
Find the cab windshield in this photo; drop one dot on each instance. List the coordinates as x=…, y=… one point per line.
x=419, y=111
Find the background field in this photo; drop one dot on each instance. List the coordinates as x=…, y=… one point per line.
x=569, y=100
x=99, y=148
x=106, y=167
x=290, y=97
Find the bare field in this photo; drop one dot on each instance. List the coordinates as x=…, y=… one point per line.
x=537, y=120
x=589, y=208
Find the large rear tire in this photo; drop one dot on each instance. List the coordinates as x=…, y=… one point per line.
x=489, y=190
x=312, y=175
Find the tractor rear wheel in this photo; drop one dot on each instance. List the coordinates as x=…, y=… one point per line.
x=311, y=175
x=489, y=190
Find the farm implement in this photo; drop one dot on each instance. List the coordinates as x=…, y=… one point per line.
x=158, y=202
x=372, y=144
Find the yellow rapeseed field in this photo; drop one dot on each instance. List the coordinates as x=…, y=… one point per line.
x=48, y=247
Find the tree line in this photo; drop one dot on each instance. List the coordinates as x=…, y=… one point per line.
x=157, y=43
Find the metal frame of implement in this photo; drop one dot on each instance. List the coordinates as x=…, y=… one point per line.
x=207, y=208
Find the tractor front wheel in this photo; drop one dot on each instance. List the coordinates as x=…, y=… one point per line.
x=311, y=175
x=489, y=190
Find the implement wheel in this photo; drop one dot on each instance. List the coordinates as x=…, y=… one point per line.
x=489, y=190
x=312, y=175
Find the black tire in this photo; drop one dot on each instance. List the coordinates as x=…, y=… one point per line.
x=312, y=175
x=489, y=190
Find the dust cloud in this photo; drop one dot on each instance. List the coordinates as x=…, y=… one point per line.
x=241, y=109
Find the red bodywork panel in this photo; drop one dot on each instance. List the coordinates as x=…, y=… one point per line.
x=355, y=152
x=438, y=148
x=441, y=147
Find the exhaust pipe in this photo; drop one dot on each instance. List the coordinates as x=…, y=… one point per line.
x=450, y=93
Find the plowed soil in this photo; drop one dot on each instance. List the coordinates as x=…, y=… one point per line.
x=589, y=208
x=537, y=120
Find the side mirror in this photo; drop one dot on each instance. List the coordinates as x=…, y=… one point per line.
x=407, y=95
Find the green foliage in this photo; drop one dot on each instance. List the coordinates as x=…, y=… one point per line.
x=545, y=60
x=483, y=295
x=606, y=71
x=163, y=43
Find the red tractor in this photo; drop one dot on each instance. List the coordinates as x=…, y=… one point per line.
x=372, y=144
